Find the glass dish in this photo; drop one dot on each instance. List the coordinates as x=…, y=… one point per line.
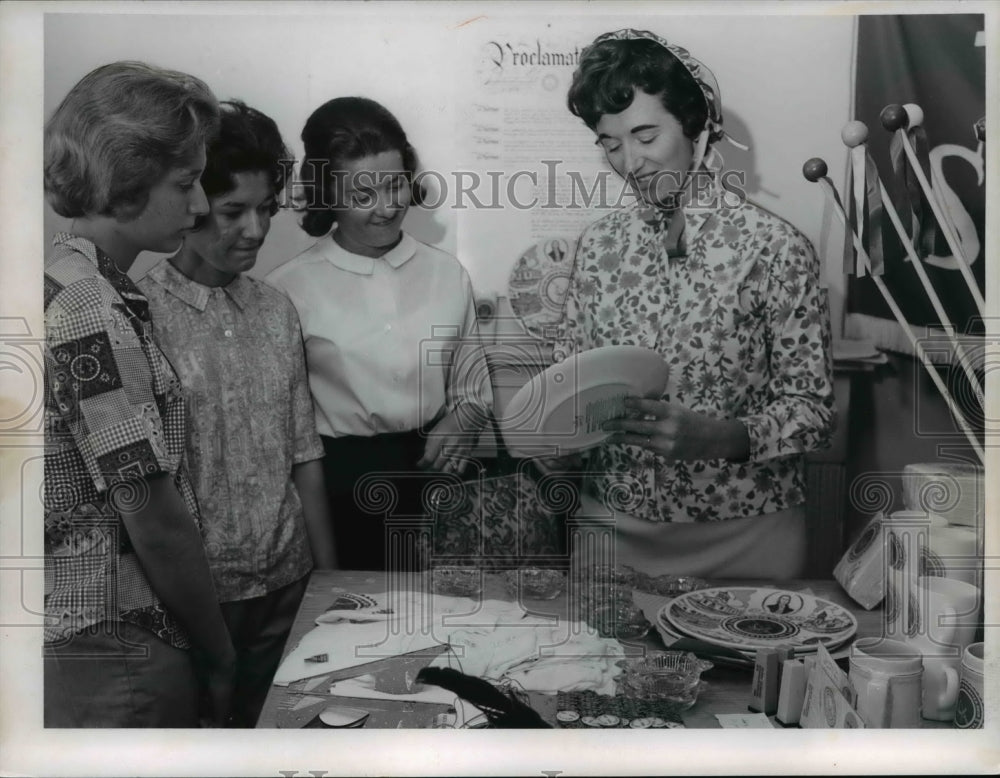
x=620, y=619
x=663, y=676
x=534, y=583
x=622, y=575
x=672, y=585
x=457, y=581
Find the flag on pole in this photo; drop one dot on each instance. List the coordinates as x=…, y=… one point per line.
x=938, y=62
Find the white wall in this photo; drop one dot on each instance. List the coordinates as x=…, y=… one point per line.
x=785, y=85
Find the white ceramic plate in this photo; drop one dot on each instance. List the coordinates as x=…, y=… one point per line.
x=747, y=618
x=670, y=633
x=565, y=405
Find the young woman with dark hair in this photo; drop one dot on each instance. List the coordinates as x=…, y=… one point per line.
x=252, y=447
x=729, y=295
x=386, y=321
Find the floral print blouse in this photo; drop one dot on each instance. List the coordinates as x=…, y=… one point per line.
x=739, y=315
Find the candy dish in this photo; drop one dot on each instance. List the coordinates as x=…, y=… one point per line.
x=671, y=585
x=619, y=618
x=534, y=583
x=457, y=581
x=667, y=676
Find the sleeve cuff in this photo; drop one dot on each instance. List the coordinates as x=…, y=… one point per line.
x=308, y=450
x=761, y=430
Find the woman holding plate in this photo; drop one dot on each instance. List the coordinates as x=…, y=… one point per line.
x=729, y=295
x=384, y=318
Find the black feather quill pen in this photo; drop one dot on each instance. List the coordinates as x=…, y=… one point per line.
x=503, y=710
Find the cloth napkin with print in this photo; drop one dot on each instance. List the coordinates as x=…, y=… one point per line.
x=377, y=627
x=540, y=655
x=492, y=639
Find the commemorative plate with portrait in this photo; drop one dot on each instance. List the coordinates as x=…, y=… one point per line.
x=748, y=618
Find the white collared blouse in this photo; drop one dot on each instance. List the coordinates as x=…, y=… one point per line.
x=382, y=336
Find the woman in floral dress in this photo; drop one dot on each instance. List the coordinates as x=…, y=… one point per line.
x=709, y=478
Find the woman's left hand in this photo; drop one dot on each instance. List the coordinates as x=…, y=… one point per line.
x=449, y=444
x=677, y=433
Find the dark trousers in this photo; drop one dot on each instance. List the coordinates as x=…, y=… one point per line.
x=259, y=628
x=115, y=674
x=368, y=478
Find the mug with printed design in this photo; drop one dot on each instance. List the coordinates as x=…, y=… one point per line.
x=969, y=708
x=887, y=676
x=939, y=617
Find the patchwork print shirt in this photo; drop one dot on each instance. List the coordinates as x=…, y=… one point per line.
x=114, y=416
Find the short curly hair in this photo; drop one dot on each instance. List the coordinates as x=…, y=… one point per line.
x=341, y=130
x=248, y=141
x=117, y=133
x=611, y=71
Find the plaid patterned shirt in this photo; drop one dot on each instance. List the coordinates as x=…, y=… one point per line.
x=114, y=415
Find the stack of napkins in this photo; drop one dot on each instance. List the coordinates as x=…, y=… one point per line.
x=491, y=639
x=861, y=571
x=830, y=696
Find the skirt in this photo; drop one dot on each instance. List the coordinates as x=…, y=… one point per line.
x=368, y=479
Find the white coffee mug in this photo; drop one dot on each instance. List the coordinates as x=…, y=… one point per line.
x=939, y=615
x=925, y=544
x=969, y=708
x=939, y=687
x=907, y=538
x=887, y=677
x=953, y=490
x=952, y=552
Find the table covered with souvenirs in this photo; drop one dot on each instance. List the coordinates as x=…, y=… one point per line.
x=600, y=648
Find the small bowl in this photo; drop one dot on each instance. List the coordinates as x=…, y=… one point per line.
x=664, y=676
x=534, y=583
x=673, y=585
x=622, y=575
x=620, y=619
x=457, y=581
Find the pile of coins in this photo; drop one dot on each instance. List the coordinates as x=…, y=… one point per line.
x=575, y=710
x=570, y=718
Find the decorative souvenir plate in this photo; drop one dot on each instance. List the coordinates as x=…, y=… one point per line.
x=747, y=618
x=538, y=284
x=670, y=635
x=566, y=404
